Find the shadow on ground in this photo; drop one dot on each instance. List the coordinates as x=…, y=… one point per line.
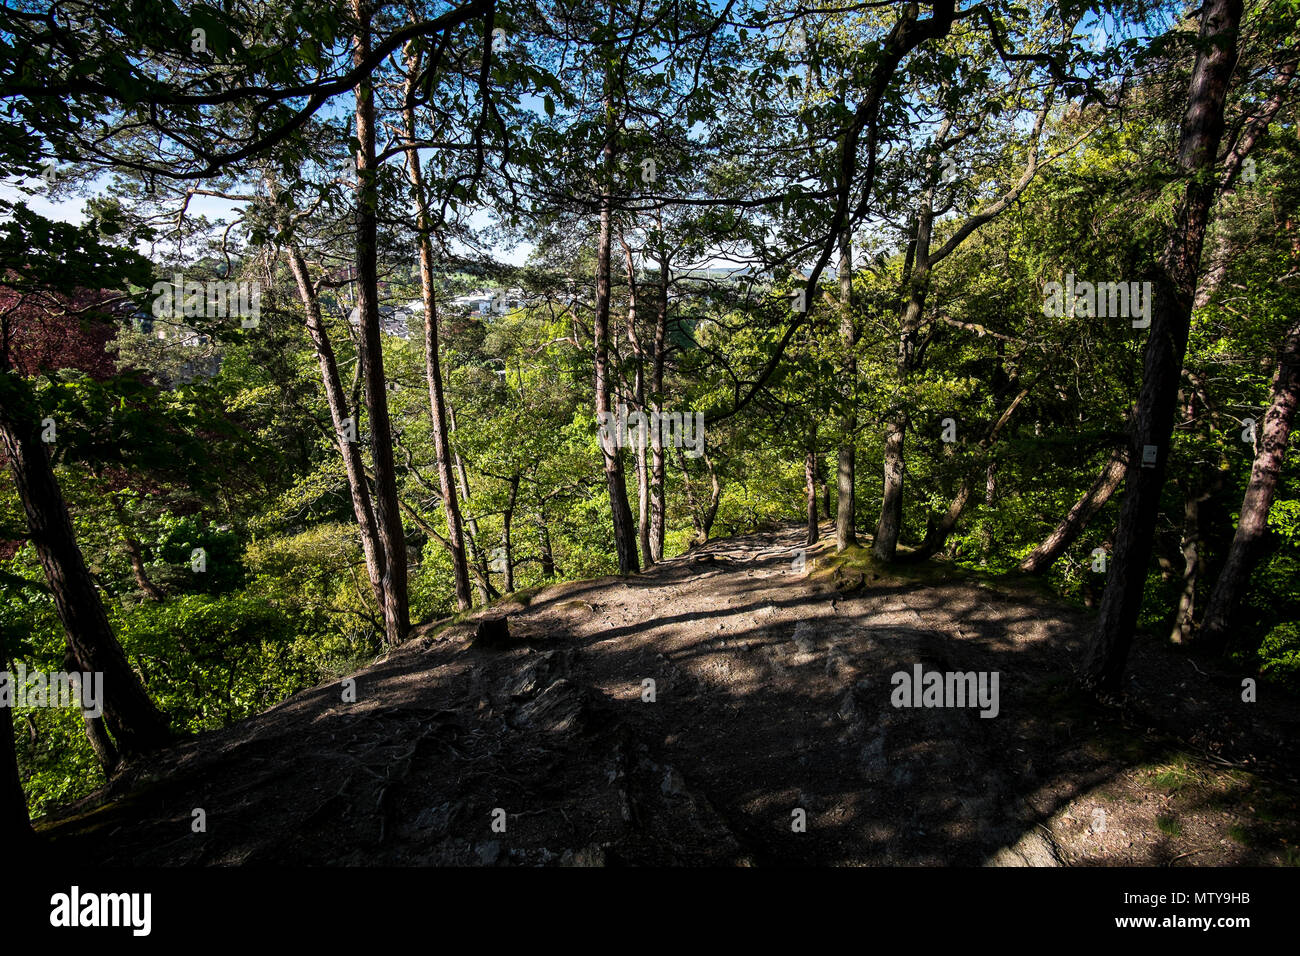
x=727, y=708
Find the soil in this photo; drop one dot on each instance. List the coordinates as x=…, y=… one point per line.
x=768, y=736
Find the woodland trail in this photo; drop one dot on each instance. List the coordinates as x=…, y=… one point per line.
x=772, y=695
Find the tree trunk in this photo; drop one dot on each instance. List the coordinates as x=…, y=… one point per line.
x=507, y=545
x=810, y=475
x=1174, y=288
x=658, y=499
x=638, y=391
x=544, y=544
x=624, y=532
x=1193, y=563
x=482, y=582
x=702, y=518
x=826, y=489
x=15, y=822
x=432, y=361
x=388, y=513
x=845, y=522
x=1251, y=536
x=990, y=496
x=916, y=279
x=442, y=446
x=1092, y=501
x=937, y=532
x=890, y=524
x=133, y=551
x=136, y=724
x=345, y=427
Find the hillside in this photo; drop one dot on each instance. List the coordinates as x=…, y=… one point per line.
x=772, y=693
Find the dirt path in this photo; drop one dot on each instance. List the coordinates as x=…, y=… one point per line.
x=770, y=707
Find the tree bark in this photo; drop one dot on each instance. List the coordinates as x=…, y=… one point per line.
x=658, y=469
x=506, y=543
x=938, y=532
x=432, y=360
x=544, y=544
x=845, y=521
x=388, y=513
x=1251, y=536
x=135, y=723
x=15, y=823
x=1092, y=501
x=482, y=582
x=350, y=451
x=810, y=476
x=638, y=391
x=702, y=518
x=990, y=496
x=1174, y=288
x=890, y=525
x=1193, y=564
x=133, y=550
x=826, y=489
x=621, y=512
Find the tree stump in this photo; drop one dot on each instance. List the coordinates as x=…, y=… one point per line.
x=492, y=631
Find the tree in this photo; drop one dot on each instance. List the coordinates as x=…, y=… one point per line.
x=48, y=286
x=1174, y=291
x=1252, y=527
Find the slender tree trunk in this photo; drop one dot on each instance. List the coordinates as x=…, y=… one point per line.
x=136, y=724
x=388, y=513
x=846, y=523
x=1174, y=288
x=96, y=731
x=134, y=552
x=643, y=504
x=624, y=532
x=658, y=470
x=432, y=360
x=482, y=582
x=432, y=532
x=15, y=823
x=506, y=543
x=702, y=518
x=885, y=544
x=1092, y=501
x=715, y=494
x=1250, y=539
x=544, y=545
x=442, y=446
x=826, y=489
x=345, y=426
x=990, y=496
x=938, y=532
x=1193, y=564
x=101, y=743
x=638, y=391
x=810, y=475
x=890, y=525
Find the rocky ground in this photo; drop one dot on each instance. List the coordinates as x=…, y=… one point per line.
x=767, y=736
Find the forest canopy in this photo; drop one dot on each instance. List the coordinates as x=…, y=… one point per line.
x=324, y=320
